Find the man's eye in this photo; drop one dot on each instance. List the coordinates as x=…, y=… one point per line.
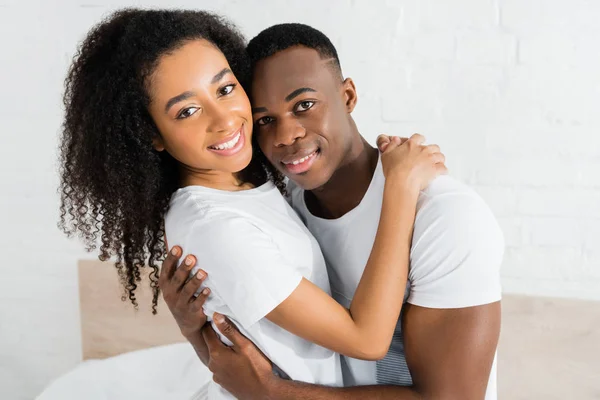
x=225, y=90
x=304, y=105
x=264, y=121
x=187, y=112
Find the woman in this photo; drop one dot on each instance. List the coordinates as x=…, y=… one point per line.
x=158, y=127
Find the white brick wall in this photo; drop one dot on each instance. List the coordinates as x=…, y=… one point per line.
x=509, y=88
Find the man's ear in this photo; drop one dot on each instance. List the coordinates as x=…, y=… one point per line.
x=350, y=95
x=158, y=143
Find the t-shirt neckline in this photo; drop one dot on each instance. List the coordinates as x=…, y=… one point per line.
x=264, y=188
x=356, y=210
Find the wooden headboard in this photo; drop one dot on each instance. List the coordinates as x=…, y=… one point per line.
x=110, y=326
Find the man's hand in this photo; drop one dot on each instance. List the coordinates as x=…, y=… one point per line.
x=179, y=290
x=242, y=369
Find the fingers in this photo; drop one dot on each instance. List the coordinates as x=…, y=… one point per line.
x=230, y=331
x=382, y=142
x=435, y=154
x=169, y=265
x=394, y=141
x=441, y=168
x=183, y=272
x=190, y=288
x=433, y=148
x=417, y=139
x=199, y=301
x=438, y=158
x=213, y=343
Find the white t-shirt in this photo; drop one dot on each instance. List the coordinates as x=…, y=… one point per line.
x=455, y=257
x=255, y=251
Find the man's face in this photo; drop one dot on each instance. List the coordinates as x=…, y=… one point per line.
x=300, y=110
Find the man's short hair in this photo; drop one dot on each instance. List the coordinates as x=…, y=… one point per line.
x=283, y=36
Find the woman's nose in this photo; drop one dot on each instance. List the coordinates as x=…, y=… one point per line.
x=222, y=119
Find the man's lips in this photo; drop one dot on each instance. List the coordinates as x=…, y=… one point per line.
x=299, y=155
x=300, y=162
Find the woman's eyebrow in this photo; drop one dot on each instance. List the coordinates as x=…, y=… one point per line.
x=186, y=95
x=220, y=75
x=180, y=97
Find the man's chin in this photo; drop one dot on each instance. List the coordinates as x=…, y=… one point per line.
x=309, y=180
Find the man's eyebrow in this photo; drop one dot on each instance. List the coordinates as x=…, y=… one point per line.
x=298, y=92
x=220, y=75
x=259, y=110
x=180, y=97
x=289, y=97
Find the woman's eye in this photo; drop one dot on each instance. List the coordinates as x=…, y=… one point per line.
x=187, y=112
x=304, y=105
x=225, y=90
x=264, y=121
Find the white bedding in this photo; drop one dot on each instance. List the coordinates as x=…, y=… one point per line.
x=171, y=372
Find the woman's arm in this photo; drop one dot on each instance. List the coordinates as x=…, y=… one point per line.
x=365, y=330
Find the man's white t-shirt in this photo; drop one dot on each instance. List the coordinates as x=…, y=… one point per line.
x=255, y=250
x=455, y=258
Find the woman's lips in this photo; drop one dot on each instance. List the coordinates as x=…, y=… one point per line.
x=230, y=145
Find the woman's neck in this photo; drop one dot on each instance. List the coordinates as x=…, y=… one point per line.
x=220, y=180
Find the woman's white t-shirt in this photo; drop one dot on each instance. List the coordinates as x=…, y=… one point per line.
x=255, y=251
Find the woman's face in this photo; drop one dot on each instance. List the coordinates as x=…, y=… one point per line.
x=201, y=110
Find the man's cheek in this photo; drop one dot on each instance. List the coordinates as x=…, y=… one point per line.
x=263, y=142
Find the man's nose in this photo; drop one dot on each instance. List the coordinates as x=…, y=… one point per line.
x=288, y=132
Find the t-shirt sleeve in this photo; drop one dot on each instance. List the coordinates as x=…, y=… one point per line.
x=456, y=254
x=245, y=268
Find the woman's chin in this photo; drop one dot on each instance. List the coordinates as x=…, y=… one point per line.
x=240, y=163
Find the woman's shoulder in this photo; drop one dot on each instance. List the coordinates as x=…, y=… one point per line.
x=196, y=209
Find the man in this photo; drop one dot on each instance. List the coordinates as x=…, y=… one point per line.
x=446, y=338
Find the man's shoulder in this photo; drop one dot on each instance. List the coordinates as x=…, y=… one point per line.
x=443, y=187
x=447, y=197
x=457, y=248
x=453, y=218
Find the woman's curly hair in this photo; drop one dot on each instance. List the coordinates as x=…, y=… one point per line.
x=114, y=185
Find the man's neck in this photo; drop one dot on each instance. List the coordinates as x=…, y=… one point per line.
x=348, y=184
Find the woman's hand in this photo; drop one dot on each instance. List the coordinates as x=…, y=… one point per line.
x=411, y=161
x=383, y=140
x=179, y=291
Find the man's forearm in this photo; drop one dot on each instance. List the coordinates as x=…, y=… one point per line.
x=199, y=345
x=290, y=390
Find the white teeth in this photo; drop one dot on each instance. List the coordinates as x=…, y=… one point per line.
x=228, y=145
x=301, y=160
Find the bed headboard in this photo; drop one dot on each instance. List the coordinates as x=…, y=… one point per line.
x=110, y=326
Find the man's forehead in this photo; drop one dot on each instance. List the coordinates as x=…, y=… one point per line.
x=295, y=66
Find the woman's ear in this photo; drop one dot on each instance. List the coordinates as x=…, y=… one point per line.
x=158, y=143
x=350, y=95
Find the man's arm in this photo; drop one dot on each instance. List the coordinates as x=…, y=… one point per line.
x=449, y=353
x=246, y=373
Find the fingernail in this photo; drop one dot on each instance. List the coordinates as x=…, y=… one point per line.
x=175, y=251
x=188, y=261
x=200, y=275
x=219, y=318
x=206, y=291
